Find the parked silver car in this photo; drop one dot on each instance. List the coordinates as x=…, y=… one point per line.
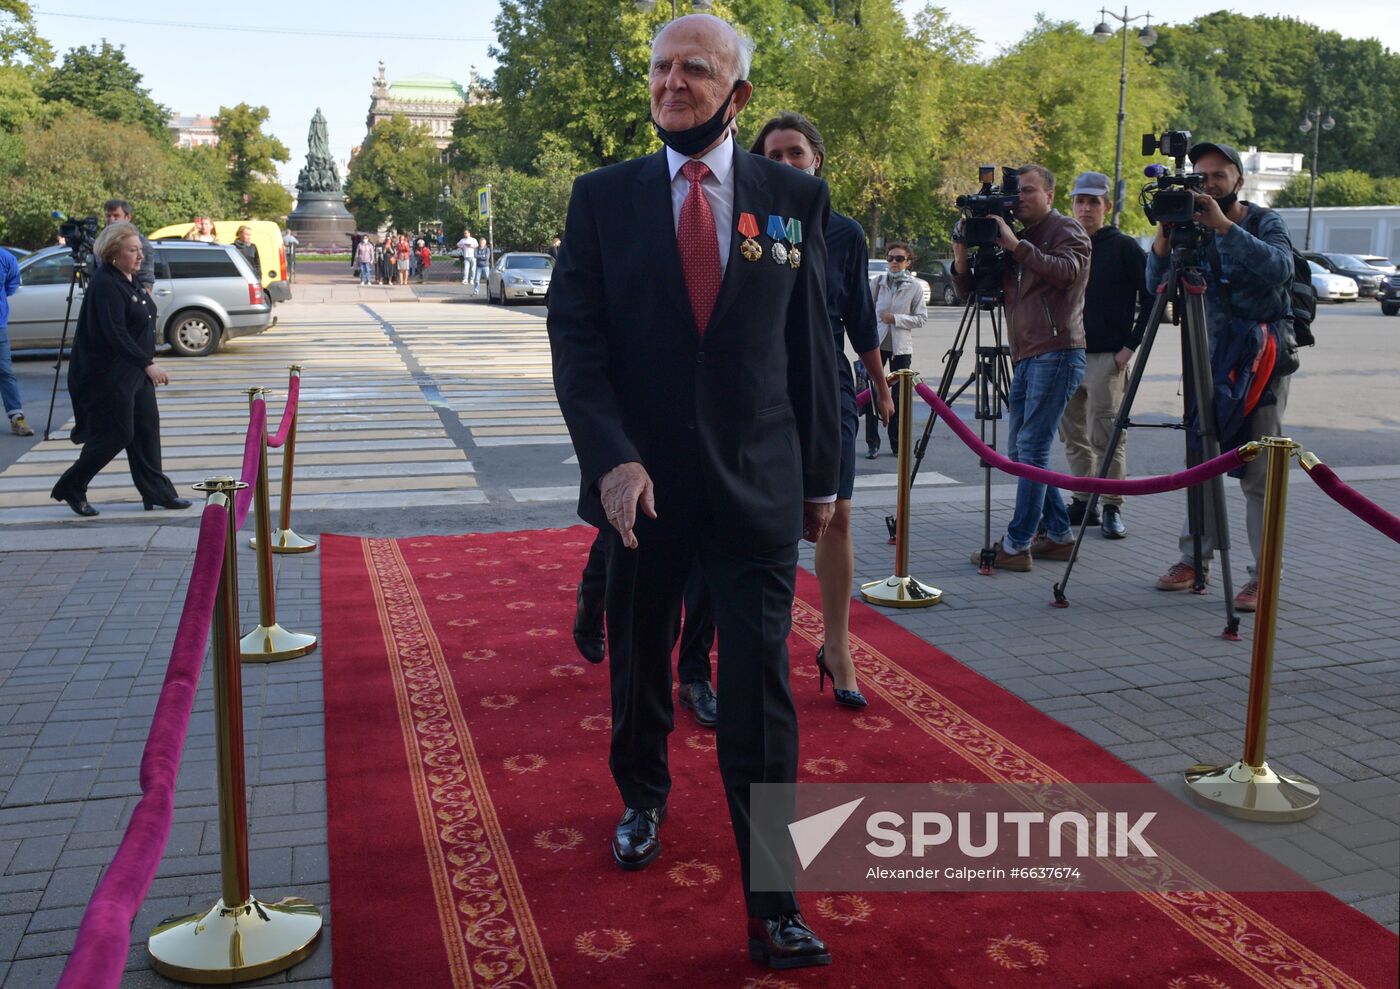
x=519, y=275
x=204, y=294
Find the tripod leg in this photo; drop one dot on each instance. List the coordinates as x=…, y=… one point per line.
x=62, y=345
x=1120, y=424
x=1197, y=353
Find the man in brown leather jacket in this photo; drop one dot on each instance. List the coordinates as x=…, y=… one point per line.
x=1043, y=282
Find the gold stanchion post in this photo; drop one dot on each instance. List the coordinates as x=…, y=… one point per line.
x=284, y=540
x=1250, y=788
x=269, y=642
x=240, y=938
x=902, y=590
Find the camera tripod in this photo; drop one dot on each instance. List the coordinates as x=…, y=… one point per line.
x=78, y=280
x=990, y=381
x=1184, y=286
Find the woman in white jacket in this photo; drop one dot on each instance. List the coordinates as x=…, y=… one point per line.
x=899, y=311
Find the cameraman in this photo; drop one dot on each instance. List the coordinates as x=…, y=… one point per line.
x=1247, y=283
x=119, y=211
x=1043, y=276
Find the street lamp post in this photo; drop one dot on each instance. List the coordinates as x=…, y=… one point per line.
x=1309, y=119
x=1146, y=37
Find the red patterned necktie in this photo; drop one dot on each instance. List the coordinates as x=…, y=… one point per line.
x=699, y=246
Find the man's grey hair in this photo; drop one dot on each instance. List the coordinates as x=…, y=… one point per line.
x=741, y=44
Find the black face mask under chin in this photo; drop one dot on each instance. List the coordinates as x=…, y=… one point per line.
x=1227, y=202
x=695, y=139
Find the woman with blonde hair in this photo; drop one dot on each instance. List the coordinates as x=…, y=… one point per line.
x=112, y=378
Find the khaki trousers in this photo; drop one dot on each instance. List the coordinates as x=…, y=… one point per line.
x=1088, y=423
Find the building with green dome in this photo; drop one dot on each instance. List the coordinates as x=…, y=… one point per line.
x=430, y=101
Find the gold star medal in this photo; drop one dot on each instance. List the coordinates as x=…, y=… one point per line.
x=748, y=226
x=794, y=234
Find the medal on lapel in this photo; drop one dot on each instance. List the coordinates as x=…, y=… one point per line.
x=794, y=234
x=778, y=232
x=748, y=226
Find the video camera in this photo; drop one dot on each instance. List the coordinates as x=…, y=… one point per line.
x=978, y=227
x=1172, y=194
x=79, y=235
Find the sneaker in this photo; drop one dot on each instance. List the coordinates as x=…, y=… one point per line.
x=1016, y=562
x=1045, y=548
x=1179, y=577
x=1076, y=513
x=20, y=427
x=1248, y=597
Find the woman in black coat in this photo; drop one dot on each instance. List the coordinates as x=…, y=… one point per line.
x=112, y=378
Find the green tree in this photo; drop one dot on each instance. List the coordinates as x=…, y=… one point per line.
x=251, y=156
x=18, y=100
x=397, y=176
x=20, y=44
x=99, y=79
x=1346, y=188
x=479, y=136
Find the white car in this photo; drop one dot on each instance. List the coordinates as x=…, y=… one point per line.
x=519, y=275
x=1330, y=287
x=1379, y=263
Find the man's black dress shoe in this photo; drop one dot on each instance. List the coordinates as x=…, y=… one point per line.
x=637, y=839
x=1077, y=508
x=1113, y=527
x=785, y=941
x=78, y=503
x=588, y=630
x=701, y=701
x=173, y=505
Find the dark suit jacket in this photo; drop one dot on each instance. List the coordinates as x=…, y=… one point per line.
x=742, y=423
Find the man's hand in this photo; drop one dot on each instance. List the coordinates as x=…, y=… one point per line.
x=1123, y=357
x=157, y=374
x=1161, y=246
x=1005, y=238
x=884, y=401
x=959, y=248
x=887, y=317
x=815, y=516
x=621, y=489
x=1210, y=214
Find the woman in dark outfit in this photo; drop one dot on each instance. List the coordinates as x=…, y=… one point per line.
x=112, y=378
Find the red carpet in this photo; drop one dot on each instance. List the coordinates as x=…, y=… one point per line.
x=470, y=809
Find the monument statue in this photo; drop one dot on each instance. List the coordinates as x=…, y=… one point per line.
x=319, y=174
x=321, y=222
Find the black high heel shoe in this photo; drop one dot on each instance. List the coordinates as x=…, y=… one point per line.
x=846, y=698
x=79, y=504
x=174, y=504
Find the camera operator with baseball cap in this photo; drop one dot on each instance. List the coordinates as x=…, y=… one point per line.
x=1248, y=261
x=1116, y=308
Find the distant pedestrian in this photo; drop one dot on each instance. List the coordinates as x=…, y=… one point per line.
x=9, y=384
x=554, y=246
x=425, y=261
x=466, y=247
x=364, y=256
x=244, y=245
x=402, y=252
x=483, y=264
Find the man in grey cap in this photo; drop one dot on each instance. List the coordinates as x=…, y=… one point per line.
x=1116, y=307
x=1249, y=267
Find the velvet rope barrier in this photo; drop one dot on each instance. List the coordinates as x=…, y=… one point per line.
x=1349, y=498
x=289, y=414
x=252, y=452
x=104, y=936
x=1092, y=485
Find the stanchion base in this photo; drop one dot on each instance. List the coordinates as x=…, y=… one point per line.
x=900, y=592
x=223, y=946
x=286, y=541
x=270, y=643
x=1254, y=793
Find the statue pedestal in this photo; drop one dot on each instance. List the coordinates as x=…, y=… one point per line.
x=321, y=222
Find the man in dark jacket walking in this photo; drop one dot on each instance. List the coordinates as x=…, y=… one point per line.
x=1116, y=308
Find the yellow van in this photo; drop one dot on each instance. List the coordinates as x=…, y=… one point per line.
x=267, y=237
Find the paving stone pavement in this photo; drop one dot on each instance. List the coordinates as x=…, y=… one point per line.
x=85, y=633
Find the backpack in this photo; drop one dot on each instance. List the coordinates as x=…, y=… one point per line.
x=1302, y=297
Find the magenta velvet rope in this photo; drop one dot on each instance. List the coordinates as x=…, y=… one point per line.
x=252, y=450
x=289, y=413
x=104, y=935
x=1355, y=502
x=1093, y=485
x=863, y=399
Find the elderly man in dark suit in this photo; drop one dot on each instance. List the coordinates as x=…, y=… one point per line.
x=694, y=367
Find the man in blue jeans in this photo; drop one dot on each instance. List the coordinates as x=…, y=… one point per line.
x=9, y=384
x=1043, y=282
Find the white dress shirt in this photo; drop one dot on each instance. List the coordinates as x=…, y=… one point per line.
x=719, y=190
